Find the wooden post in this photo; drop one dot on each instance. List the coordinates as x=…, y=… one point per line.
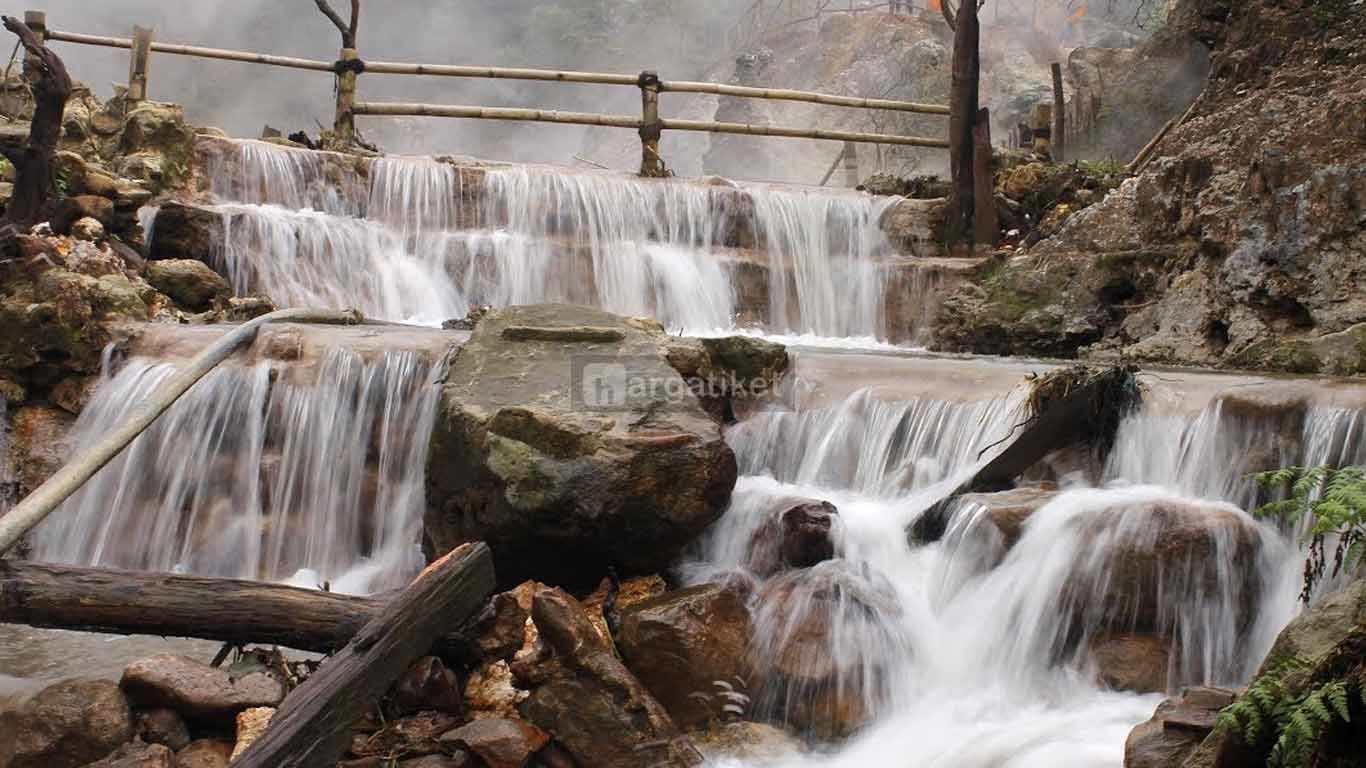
x=345, y=124
x=962, y=115
x=651, y=162
x=312, y=727
x=850, y=164
x=137, y=65
x=1059, y=116
x=985, y=226
x=36, y=21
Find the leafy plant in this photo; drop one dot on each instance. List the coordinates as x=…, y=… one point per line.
x=1323, y=502
x=1293, y=724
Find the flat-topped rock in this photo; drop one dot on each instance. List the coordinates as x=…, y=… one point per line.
x=197, y=691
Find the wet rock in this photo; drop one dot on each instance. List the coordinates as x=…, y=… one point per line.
x=799, y=537
x=1176, y=728
x=680, y=644
x=71, y=210
x=916, y=227
x=243, y=308
x=747, y=742
x=39, y=443
x=427, y=685
x=164, y=727
x=583, y=696
x=1138, y=663
x=204, y=753
x=628, y=593
x=137, y=755
x=158, y=131
x=1009, y=510
x=499, y=742
x=197, y=691
x=191, y=284
x=728, y=373
x=563, y=472
x=414, y=735
x=182, y=231
x=88, y=229
x=66, y=725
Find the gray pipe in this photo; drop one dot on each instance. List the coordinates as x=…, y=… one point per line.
x=39, y=504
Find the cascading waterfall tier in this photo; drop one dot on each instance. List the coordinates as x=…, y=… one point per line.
x=415, y=239
x=261, y=473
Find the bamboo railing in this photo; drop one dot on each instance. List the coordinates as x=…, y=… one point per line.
x=650, y=125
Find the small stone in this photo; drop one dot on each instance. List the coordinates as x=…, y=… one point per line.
x=88, y=229
x=137, y=755
x=502, y=743
x=163, y=726
x=413, y=735
x=205, y=753
x=251, y=723
x=191, y=284
x=196, y=690
x=428, y=685
x=489, y=691
x=72, y=209
x=66, y=725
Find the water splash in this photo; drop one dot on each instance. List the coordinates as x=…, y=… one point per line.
x=254, y=476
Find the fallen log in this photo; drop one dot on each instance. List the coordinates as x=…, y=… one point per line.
x=1072, y=406
x=226, y=610
x=313, y=726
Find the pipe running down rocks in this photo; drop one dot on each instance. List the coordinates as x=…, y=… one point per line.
x=38, y=505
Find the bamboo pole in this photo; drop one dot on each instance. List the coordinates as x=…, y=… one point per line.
x=776, y=94
x=850, y=164
x=67, y=480
x=344, y=124
x=197, y=51
x=1059, y=116
x=137, y=64
x=801, y=133
x=651, y=164
x=494, y=113
x=498, y=73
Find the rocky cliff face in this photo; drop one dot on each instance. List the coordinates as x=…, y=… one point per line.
x=1242, y=245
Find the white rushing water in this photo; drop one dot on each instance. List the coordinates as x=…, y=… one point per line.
x=257, y=475
x=974, y=652
x=414, y=239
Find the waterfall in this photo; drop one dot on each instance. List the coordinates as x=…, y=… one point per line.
x=257, y=474
x=421, y=240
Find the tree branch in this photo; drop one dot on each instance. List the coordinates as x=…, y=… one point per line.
x=33, y=186
x=348, y=34
x=355, y=21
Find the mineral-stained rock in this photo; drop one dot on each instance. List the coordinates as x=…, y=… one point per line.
x=502, y=631
x=185, y=232
x=565, y=455
x=414, y=735
x=1176, y=728
x=191, y=284
x=138, y=755
x=427, y=685
x=163, y=726
x=500, y=742
x=66, y=725
x=251, y=723
x=39, y=443
x=88, y=229
x=204, y=753
x=490, y=692
x=680, y=644
x=196, y=690
x=747, y=742
x=584, y=697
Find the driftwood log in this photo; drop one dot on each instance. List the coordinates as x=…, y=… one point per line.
x=33, y=164
x=312, y=728
x=227, y=610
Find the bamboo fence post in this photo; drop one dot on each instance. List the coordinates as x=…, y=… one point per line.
x=140, y=53
x=344, y=126
x=850, y=164
x=1042, y=129
x=651, y=163
x=36, y=21
x=1059, y=116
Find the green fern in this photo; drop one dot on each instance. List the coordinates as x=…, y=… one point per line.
x=1323, y=502
x=1293, y=725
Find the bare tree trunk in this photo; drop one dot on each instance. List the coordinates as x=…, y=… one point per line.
x=962, y=117
x=33, y=164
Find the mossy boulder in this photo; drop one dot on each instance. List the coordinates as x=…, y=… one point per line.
x=191, y=284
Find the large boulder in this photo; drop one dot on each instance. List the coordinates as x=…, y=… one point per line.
x=40, y=442
x=66, y=725
x=585, y=698
x=1176, y=728
x=191, y=284
x=198, y=691
x=689, y=648
x=182, y=231
x=798, y=537
x=567, y=443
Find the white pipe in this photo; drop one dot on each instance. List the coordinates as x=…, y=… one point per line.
x=67, y=480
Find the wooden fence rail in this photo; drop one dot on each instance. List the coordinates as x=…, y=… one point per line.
x=349, y=66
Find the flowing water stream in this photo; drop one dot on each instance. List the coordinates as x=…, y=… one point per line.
x=975, y=650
